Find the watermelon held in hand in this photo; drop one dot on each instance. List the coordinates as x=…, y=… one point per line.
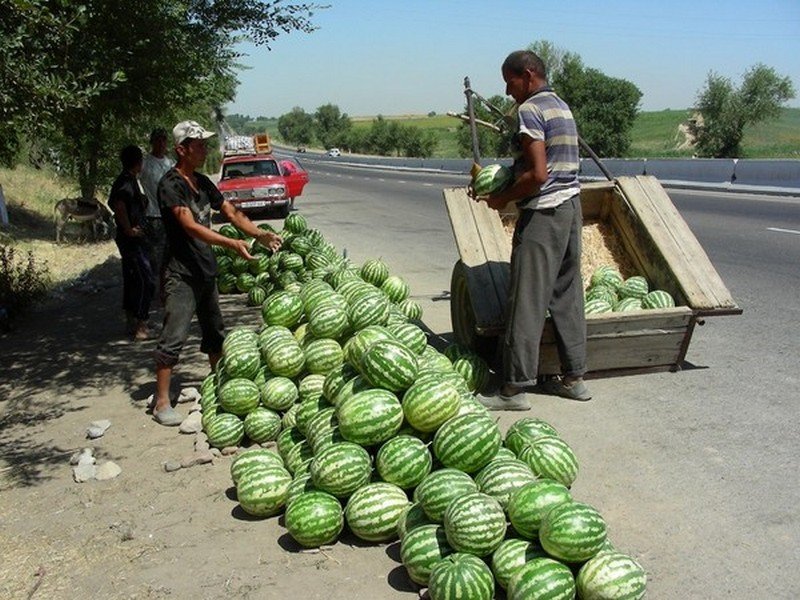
x=491, y=179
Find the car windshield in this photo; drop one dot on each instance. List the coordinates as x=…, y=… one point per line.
x=253, y=168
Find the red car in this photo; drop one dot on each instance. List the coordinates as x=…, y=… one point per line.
x=255, y=182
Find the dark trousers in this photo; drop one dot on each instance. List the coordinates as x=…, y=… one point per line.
x=138, y=284
x=186, y=295
x=157, y=240
x=545, y=275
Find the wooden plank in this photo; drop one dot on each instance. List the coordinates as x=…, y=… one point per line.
x=665, y=234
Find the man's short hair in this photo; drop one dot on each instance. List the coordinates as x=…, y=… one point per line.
x=157, y=134
x=130, y=156
x=523, y=60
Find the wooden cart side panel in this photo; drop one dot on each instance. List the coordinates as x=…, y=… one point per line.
x=675, y=253
x=484, y=249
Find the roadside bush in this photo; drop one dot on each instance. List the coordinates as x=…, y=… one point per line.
x=23, y=281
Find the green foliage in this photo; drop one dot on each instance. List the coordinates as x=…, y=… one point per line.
x=490, y=143
x=725, y=110
x=23, y=281
x=332, y=125
x=387, y=137
x=297, y=127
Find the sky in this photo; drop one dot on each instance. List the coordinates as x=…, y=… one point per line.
x=411, y=56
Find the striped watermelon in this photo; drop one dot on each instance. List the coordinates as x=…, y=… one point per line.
x=335, y=381
x=298, y=457
x=527, y=430
x=370, y=417
x=313, y=293
x=251, y=458
x=503, y=453
x=224, y=430
x=307, y=410
x=374, y=271
x=602, y=292
x=291, y=262
x=286, y=358
x=390, y=365
x=658, y=299
x=323, y=356
x=320, y=424
x=550, y=457
x=413, y=516
x=628, y=304
x=314, y=519
x=530, y=503
x=370, y=310
x=351, y=387
x=475, y=523
x=295, y=223
x=226, y=283
x=311, y=386
x=542, y=578
x=282, y=308
x=611, y=576
x=411, y=309
x=256, y=295
x=429, y=402
x=374, y=511
x=421, y=548
x=300, y=485
x=271, y=335
x=262, y=425
x=410, y=335
x=597, y=306
x=512, y=554
x=460, y=576
x=328, y=320
x=434, y=361
x=262, y=490
x=572, y=532
x=279, y=393
x=340, y=469
x=491, y=179
x=245, y=282
x=634, y=287
x=288, y=439
x=326, y=437
x=239, y=396
x=608, y=276
x=289, y=418
x=439, y=488
x=357, y=345
x=473, y=369
x=502, y=477
x=404, y=461
x=396, y=288
x=467, y=442
x=242, y=358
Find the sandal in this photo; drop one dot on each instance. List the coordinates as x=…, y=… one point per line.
x=168, y=417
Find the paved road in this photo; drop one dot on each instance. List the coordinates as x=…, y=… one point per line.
x=694, y=471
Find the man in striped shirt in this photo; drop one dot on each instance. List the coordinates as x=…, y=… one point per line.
x=546, y=248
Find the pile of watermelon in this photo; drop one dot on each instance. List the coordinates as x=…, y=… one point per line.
x=608, y=291
x=379, y=432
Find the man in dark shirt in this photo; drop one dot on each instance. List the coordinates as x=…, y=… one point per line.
x=128, y=202
x=186, y=199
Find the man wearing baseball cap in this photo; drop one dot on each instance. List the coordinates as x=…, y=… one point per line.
x=186, y=198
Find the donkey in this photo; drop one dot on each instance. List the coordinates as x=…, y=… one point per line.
x=94, y=218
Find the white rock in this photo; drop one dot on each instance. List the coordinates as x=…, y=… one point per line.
x=83, y=473
x=195, y=408
x=172, y=465
x=189, y=394
x=84, y=457
x=228, y=450
x=192, y=423
x=97, y=429
x=198, y=458
x=107, y=470
x=216, y=452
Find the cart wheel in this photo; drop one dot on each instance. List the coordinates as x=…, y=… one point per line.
x=462, y=317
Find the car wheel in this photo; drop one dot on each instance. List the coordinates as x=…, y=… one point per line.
x=283, y=211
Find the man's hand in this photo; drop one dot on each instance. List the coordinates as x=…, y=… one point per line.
x=270, y=240
x=135, y=232
x=241, y=248
x=492, y=201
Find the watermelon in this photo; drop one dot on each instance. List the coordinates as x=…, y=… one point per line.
x=374, y=511
x=628, y=304
x=473, y=369
x=319, y=425
x=611, y=576
x=226, y=283
x=491, y=179
x=421, y=548
x=634, y=287
x=390, y=365
x=597, y=306
x=550, y=457
x=467, y=442
x=311, y=387
x=340, y=469
x=239, y=396
x=291, y=262
x=231, y=231
x=374, y=271
x=542, y=578
x=527, y=430
x=314, y=519
x=602, y=292
x=256, y=296
x=300, y=485
x=323, y=356
x=307, y=410
x=242, y=358
x=370, y=310
x=224, y=430
x=529, y=504
x=502, y=477
x=357, y=345
x=289, y=418
x=512, y=554
x=411, y=309
x=279, y=393
x=262, y=490
x=298, y=457
x=282, y=308
x=409, y=335
x=370, y=417
x=396, y=288
x=262, y=425
x=286, y=358
x=404, y=461
x=245, y=282
x=328, y=320
x=413, y=516
x=335, y=380
x=288, y=438
x=295, y=223
x=461, y=575
x=429, y=402
x=658, y=299
x=572, y=532
x=608, y=276
x=475, y=523
x=439, y=488
x=253, y=457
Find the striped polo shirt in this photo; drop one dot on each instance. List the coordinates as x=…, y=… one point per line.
x=546, y=117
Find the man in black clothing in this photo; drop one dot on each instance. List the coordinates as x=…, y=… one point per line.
x=128, y=202
x=186, y=199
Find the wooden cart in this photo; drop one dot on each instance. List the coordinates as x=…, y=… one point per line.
x=658, y=244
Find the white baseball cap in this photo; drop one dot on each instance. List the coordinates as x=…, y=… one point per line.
x=190, y=130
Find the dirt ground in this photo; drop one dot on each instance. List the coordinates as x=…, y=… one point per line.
x=146, y=533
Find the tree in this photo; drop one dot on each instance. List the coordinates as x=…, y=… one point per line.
x=726, y=111
x=297, y=127
x=490, y=143
x=170, y=61
x=332, y=125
